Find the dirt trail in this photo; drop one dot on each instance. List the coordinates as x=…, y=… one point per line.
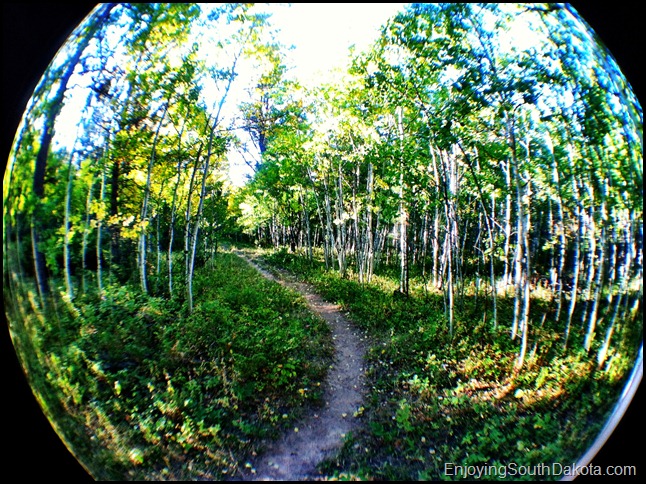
x=295, y=455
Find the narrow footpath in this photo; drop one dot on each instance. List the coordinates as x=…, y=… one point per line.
x=296, y=455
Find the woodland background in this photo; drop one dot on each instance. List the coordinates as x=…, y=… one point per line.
x=31, y=37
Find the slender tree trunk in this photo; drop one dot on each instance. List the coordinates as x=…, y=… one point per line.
x=492, y=254
x=159, y=249
x=424, y=240
x=144, y=208
x=99, y=224
x=605, y=346
x=358, y=236
x=342, y=235
x=173, y=211
x=115, y=229
x=436, y=248
x=171, y=230
x=550, y=230
x=69, y=286
x=449, y=263
x=451, y=235
x=329, y=235
x=369, y=240
x=524, y=188
x=592, y=318
x=198, y=218
x=522, y=254
x=403, y=216
x=188, y=219
x=622, y=294
x=340, y=239
x=518, y=261
x=524, y=321
x=327, y=250
x=560, y=229
x=436, y=223
x=39, y=263
x=576, y=263
x=308, y=231
x=40, y=169
x=612, y=260
x=507, y=230
x=591, y=231
x=380, y=235
x=86, y=233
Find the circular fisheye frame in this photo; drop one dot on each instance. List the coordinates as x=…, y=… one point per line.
x=308, y=241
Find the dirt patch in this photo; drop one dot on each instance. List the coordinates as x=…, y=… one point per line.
x=296, y=455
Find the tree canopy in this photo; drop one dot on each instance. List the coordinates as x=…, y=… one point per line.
x=471, y=164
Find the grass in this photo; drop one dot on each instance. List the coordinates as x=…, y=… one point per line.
x=436, y=399
x=141, y=389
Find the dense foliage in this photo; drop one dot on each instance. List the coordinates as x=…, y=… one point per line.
x=472, y=196
x=434, y=398
x=468, y=158
x=143, y=389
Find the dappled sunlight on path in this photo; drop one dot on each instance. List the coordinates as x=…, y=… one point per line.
x=296, y=455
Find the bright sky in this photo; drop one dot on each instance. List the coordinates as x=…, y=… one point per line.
x=321, y=35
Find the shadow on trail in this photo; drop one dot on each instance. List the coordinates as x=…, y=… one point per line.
x=321, y=432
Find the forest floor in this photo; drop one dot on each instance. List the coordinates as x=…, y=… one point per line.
x=321, y=431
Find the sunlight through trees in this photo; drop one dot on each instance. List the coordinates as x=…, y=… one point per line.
x=473, y=190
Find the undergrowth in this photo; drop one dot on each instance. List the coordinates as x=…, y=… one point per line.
x=142, y=389
x=437, y=400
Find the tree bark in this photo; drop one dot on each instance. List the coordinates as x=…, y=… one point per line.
x=55, y=106
x=576, y=261
x=198, y=216
x=69, y=286
x=86, y=233
x=592, y=317
x=144, y=208
x=403, y=215
x=99, y=276
x=171, y=229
